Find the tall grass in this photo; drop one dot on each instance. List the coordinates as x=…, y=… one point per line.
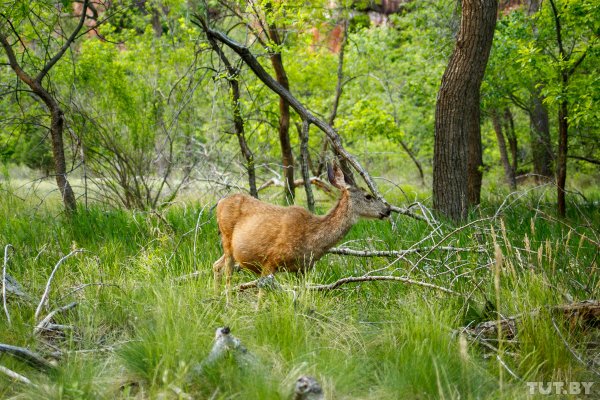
x=139, y=330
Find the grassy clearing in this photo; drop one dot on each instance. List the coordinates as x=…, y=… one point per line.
x=139, y=331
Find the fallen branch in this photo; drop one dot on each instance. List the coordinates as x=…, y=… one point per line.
x=587, y=311
x=28, y=356
x=15, y=376
x=399, y=253
x=8, y=246
x=352, y=279
x=47, y=290
x=45, y=323
x=269, y=281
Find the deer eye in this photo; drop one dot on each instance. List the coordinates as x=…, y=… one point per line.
x=369, y=197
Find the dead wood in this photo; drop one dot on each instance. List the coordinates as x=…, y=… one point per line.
x=15, y=376
x=586, y=312
x=371, y=278
x=269, y=281
x=307, y=388
x=47, y=289
x=28, y=356
x=399, y=253
x=45, y=324
x=225, y=343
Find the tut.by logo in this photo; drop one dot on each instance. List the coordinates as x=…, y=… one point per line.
x=573, y=388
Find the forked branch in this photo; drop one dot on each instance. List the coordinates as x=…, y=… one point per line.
x=304, y=113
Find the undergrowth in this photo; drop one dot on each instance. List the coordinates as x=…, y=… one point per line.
x=143, y=323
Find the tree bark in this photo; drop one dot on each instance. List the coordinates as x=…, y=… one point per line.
x=457, y=147
x=541, y=145
x=287, y=157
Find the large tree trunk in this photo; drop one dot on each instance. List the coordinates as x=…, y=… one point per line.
x=56, y=114
x=287, y=157
x=508, y=168
x=457, y=147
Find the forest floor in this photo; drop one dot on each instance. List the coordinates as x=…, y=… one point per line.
x=146, y=311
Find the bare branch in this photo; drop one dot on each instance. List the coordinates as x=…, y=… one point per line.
x=46, y=321
x=65, y=45
x=47, y=290
x=399, y=253
x=270, y=281
x=8, y=246
x=14, y=375
x=304, y=113
x=352, y=279
x=31, y=358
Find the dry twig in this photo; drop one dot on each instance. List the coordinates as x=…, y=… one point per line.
x=15, y=376
x=47, y=290
x=370, y=278
x=45, y=323
x=8, y=246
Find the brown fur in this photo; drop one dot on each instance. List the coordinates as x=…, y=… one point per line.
x=266, y=238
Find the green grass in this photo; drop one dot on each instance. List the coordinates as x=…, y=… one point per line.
x=139, y=331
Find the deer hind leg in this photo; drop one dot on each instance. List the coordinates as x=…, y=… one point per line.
x=225, y=263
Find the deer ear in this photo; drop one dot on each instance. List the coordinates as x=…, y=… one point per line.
x=336, y=176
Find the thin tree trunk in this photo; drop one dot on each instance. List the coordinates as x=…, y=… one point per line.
x=238, y=121
x=287, y=157
x=512, y=140
x=508, y=170
x=415, y=161
x=310, y=199
x=56, y=114
x=541, y=146
x=563, y=114
x=339, y=86
x=561, y=160
x=457, y=147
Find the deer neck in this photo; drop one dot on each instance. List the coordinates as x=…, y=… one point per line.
x=336, y=224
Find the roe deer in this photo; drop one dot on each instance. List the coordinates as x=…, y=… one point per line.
x=265, y=238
